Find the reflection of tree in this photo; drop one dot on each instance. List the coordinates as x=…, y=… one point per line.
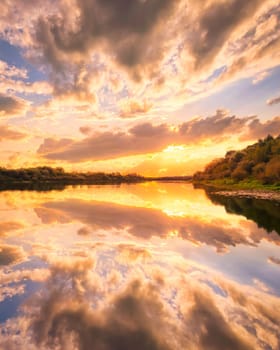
x=47, y=178
x=264, y=213
x=33, y=186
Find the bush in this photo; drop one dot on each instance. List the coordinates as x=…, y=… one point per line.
x=239, y=174
x=260, y=161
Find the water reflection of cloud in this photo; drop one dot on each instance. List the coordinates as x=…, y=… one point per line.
x=10, y=254
x=274, y=260
x=162, y=305
x=116, y=276
x=13, y=281
x=145, y=223
x=9, y=226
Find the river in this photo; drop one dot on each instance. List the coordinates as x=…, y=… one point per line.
x=144, y=266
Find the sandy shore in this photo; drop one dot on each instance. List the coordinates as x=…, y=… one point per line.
x=258, y=194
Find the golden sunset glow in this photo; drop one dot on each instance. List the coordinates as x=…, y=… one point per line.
x=139, y=174
x=172, y=200
x=159, y=87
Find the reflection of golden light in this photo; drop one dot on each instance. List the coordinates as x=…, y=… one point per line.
x=174, y=233
x=173, y=199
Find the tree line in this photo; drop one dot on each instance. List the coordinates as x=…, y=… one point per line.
x=49, y=174
x=260, y=161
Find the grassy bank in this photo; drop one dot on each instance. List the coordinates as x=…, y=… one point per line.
x=229, y=184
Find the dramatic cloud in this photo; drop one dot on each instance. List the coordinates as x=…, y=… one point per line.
x=91, y=49
x=148, y=138
x=215, y=25
x=256, y=48
x=128, y=28
x=116, y=61
x=11, y=106
x=143, y=37
x=129, y=323
x=210, y=326
x=148, y=309
x=10, y=254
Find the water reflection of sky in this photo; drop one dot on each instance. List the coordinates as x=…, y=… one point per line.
x=149, y=266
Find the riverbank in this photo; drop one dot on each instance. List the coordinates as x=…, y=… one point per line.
x=257, y=194
x=248, y=189
x=224, y=184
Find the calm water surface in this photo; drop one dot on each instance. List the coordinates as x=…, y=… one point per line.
x=147, y=266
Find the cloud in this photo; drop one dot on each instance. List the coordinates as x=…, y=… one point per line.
x=86, y=130
x=210, y=326
x=83, y=231
x=50, y=144
x=130, y=322
x=258, y=129
x=14, y=79
x=148, y=138
x=148, y=309
x=265, y=312
x=273, y=101
x=142, y=138
x=11, y=278
x=11, y=254
x=212, y=127
x=17, y=20
x=125, y=28
x=11, y=106
x=133, y=108
x=157, y=53
x=94, y=294
x=274, y=260
x=255, y=50
x=8, y=226
x=146, y=223
x=7, y=133
x=104, y=145
x=129, y=253
x=154, y=57
x=12, y=71
x=260, y=77
x=214, y=25
x=85, y=40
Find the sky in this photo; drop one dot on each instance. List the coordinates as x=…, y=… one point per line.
x=157, y=87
